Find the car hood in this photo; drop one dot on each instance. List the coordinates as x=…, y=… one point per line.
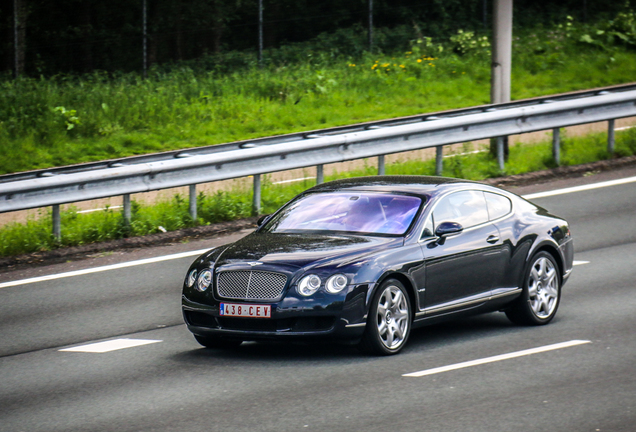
x=302, y=250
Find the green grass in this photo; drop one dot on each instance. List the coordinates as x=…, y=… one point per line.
x=77, y=229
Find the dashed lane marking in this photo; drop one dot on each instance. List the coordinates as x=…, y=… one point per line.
x=576, y=263
x=111, y=345
x=580, y=188
x=497, y=358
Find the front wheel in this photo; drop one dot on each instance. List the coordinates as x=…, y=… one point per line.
x=541, y=292
x=389, y=322
x=218, y=343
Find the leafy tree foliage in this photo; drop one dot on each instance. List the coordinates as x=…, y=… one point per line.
x=84, y=35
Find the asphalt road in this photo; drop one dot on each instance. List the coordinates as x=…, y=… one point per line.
x=173, y=384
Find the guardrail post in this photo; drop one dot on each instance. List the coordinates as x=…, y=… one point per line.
x=556, y=145
x=500, y=152
x=610, y=137
x=127, y=210
x=193, y=202
x=320, y=174
x=57, y=222
x=256, y=196
x=381, y=170
x=439, y=162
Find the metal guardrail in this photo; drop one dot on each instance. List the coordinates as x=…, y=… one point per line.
x=255, y=157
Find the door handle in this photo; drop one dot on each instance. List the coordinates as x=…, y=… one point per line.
x=492, y=239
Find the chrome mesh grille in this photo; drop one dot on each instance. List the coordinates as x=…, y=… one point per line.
x=250, y=285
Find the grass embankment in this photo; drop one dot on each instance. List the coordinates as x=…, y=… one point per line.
x=58, y=121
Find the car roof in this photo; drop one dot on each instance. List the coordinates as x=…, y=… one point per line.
x=418, y=185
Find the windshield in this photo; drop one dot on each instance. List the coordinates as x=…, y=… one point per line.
x=359, y=212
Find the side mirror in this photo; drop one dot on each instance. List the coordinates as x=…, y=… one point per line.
x=447, y=229
x=261, y=220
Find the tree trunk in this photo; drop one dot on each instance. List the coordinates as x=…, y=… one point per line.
x=86, y=32
x=21, y=13
x=179, y=32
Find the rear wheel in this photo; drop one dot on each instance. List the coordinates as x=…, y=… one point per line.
x=389, y=323
x=541, y=292
x=217, y=343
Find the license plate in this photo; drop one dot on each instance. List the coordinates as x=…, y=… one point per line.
x=246, y=310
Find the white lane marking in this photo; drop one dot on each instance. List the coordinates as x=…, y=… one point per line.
x=580, y=262
x=103, y=268
x=111, y=345
x=580, y=188
x=99, y=209
x=624, y=128
x=497, y=358
x=293, y=180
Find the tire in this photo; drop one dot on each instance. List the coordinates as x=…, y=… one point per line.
x=218, y=343
x=390, y=319
x=541, y=294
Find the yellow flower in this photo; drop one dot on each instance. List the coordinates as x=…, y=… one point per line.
x=419, y=60
x=402, y=66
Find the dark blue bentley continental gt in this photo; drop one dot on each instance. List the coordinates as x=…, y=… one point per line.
x=368, y=259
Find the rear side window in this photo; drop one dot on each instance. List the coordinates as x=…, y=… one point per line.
x=467, y=208
x=498, y=205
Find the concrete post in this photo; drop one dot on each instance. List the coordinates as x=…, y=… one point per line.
x=501, y=63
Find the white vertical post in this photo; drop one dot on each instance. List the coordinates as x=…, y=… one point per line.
x=193, y=202
x=556, y=145
x=256, y=196
x=610, y=137
x=381, y=169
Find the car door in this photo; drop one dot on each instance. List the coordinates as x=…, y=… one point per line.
x=461, y=269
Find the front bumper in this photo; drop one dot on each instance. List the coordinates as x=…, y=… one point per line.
x=330, y=317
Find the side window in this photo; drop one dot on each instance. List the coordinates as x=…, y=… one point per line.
x=467, y=208
x=498, y=205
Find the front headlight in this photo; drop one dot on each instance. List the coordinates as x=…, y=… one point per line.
x=309, y=285
x=204, y=280
x=192, y=277
x=336, y=283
